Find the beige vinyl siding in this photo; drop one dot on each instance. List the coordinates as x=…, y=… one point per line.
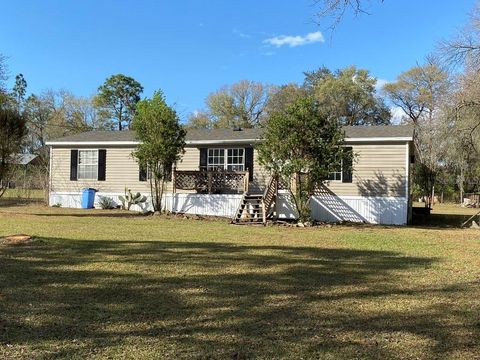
x=121, y=171
x=260, y=175
x=190, y=159
x=378, y=170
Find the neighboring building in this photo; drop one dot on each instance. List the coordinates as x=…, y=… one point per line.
x=220, y=165
x=22, y=162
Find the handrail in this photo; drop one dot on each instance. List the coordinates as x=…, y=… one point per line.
x=269, y=195
x=211, y=180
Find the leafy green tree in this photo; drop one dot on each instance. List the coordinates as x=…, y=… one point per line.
x=349, y=94
x=19, y=90
x=239, y=105
x=117, y=99
x=283, y=96
x=199, y=120
x=12, y=133
x=162, y=141
x=302, y=142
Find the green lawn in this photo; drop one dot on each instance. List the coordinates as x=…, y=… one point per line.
x=98, y=284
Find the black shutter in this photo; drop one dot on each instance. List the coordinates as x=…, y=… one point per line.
x=102, y=162
x=347, y=166
x=142, y=173
x=203, y=158
x=168, y=171
x=73, y=165
x=249, y=162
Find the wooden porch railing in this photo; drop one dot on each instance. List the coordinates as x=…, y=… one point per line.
x=269, y=196
x=211, y=181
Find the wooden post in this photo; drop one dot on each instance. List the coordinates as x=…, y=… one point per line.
x=264, y=212
x=276, y=197
x=174, y=178
x=432, y=202
x=209, y=177
x=294, y=183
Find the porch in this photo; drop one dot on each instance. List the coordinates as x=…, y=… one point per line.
x=209, y=181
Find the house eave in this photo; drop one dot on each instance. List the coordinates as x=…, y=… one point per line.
x=212, y=142
x=379, y=139
x=90, y=143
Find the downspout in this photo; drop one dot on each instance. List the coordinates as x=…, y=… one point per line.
x=50, y=166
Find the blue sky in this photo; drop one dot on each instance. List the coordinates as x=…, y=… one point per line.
x=191, y=48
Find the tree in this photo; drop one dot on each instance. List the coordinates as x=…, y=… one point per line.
x=162, y=140
x=421, y=92
x=281, y=97
x=463, y=132
x=350, y=94
x=199, y=120
x=302, y=142
x=464, y=49
x=12, y=133
x=19, y=90
x=336, y=9
x=3, y=73
x=117, y=99
x=239, y=105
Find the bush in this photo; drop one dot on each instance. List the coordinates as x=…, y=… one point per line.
x=107, y=203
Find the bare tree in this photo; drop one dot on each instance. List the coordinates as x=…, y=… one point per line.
x=336, y=9
x=3, y=73
x=464, y=49
x=421, y=92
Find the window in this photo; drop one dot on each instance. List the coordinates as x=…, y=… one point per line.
x=337, y=174
x=88, y=164
x=226, y=159
x=235, y=159
x=216, y=159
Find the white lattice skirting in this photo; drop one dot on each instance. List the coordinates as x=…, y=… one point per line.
x=375, y=210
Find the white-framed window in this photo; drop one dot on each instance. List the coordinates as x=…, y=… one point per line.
x=236, y=159
x=226, y=159
x=87, y=164
x=216, y=159
x=337, y=174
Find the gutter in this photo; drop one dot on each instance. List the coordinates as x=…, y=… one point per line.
x=214, y=142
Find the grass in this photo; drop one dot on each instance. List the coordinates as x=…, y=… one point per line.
x=108, y=284
x=19, y=193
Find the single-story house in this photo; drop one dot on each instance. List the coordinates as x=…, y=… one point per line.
x=219, y=174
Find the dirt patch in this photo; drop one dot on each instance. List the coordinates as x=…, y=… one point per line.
x=17, y=240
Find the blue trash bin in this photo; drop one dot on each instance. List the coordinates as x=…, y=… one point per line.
x=88, y=198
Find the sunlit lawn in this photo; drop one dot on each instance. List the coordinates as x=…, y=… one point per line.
x=113, y=285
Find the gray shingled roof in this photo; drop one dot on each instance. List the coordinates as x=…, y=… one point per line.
x=198, y=135
x=23, y=159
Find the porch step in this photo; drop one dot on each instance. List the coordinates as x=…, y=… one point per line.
x=250, y=210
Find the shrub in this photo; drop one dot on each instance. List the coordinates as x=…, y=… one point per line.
x=107, y=203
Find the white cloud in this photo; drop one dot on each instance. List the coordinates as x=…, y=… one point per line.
x=397, y=114
x=297, y=40
x=380, y=84
x=241, y=34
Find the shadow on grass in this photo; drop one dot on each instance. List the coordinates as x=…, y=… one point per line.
x=12, y=202
x=440, y=220
x=69, y=298
x=95, y=213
